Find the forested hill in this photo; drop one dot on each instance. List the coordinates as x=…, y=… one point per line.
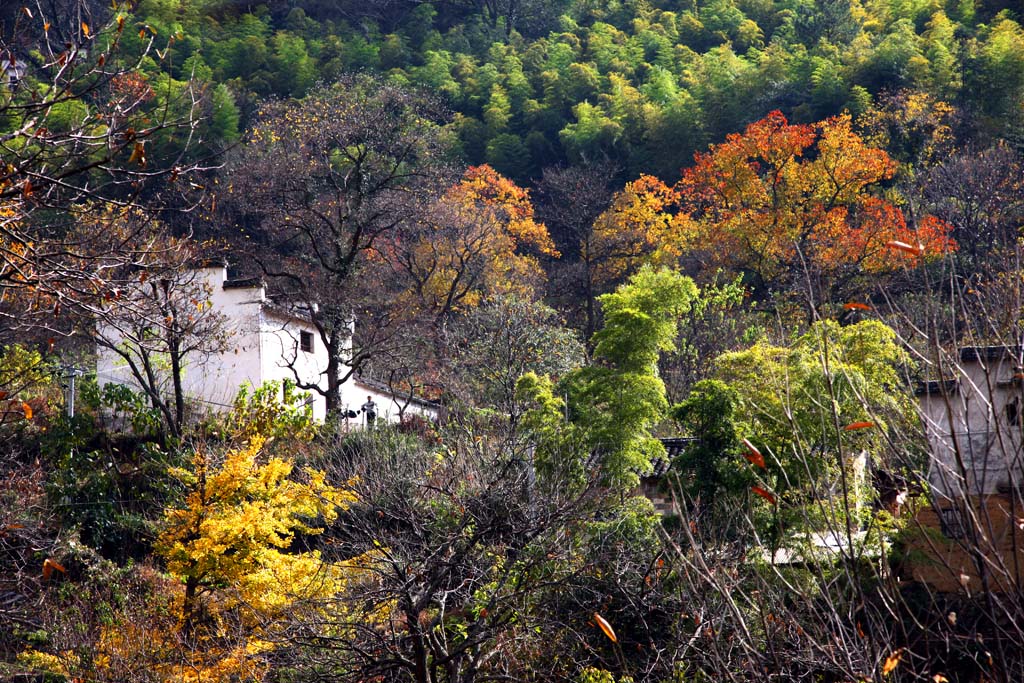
x=536, y=83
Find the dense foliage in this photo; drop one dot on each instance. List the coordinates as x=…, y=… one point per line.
x=671, y=270
x=648, y=83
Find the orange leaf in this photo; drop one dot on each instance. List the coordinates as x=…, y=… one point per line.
x=753, y=455
x=49, y=566
x=939, y=678
x=138, y=154
x=755, y=459
x=85, y=29
x=903, y=246
x=858, y=425
x=767, y=495
x=10, y=527
x=605, y=627
x=891, y=662
x=856, y=306
x=28, y=410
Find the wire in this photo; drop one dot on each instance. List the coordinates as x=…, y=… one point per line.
x=122, y=381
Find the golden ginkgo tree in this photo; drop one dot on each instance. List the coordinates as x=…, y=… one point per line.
x=230, y=541
x=230, y=545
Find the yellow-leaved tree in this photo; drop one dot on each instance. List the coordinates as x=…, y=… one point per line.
x=238, y=573
x=229, y=542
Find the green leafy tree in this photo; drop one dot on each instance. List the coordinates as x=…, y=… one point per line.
x=710, y=467
x=615, y=402
x=812, y=408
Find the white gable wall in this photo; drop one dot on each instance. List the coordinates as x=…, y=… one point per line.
x=974, y=442
x=263, y=343
x=216, y=379
x=282, y=358
x=210, y=380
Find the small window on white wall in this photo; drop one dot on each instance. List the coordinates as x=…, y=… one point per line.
x=306, y=341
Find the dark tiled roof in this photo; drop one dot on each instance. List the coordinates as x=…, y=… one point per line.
x=659, y=468
x=979, y=353
x=243, y=283
x=677, y=444
x=935, y=386
x=674, y=446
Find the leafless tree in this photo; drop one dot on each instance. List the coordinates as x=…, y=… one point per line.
x=448, y=556
x=74, y=134
x=159, y=326
x=319, y=188
x=571, y=199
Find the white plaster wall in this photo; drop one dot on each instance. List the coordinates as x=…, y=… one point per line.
x=216, y=379
x=389, y=408
x=210, y=380
x=282, y=359
x=970, y=426
x=262, y=344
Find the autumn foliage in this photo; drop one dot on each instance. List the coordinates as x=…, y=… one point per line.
x=782, y=194
x=482, y=239
x=776, y=199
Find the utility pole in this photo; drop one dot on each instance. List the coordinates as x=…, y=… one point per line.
x=71, y=373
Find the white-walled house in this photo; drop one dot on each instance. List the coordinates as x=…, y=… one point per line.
x=264, y=342
x=971, y=537
x=12, y=70
x=973, y=422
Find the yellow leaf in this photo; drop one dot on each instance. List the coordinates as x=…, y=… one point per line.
x=939, y=678
x=605, y=627
x=892, y=661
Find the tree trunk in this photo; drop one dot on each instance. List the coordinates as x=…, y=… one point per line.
x=189, y=607
x=179, y=391
x=335, y=361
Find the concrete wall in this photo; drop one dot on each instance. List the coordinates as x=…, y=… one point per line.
x=975, y=444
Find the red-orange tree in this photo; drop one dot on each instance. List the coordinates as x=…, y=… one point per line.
x=780, y=201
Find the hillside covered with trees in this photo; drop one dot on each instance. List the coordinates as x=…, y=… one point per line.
x=715, y=306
